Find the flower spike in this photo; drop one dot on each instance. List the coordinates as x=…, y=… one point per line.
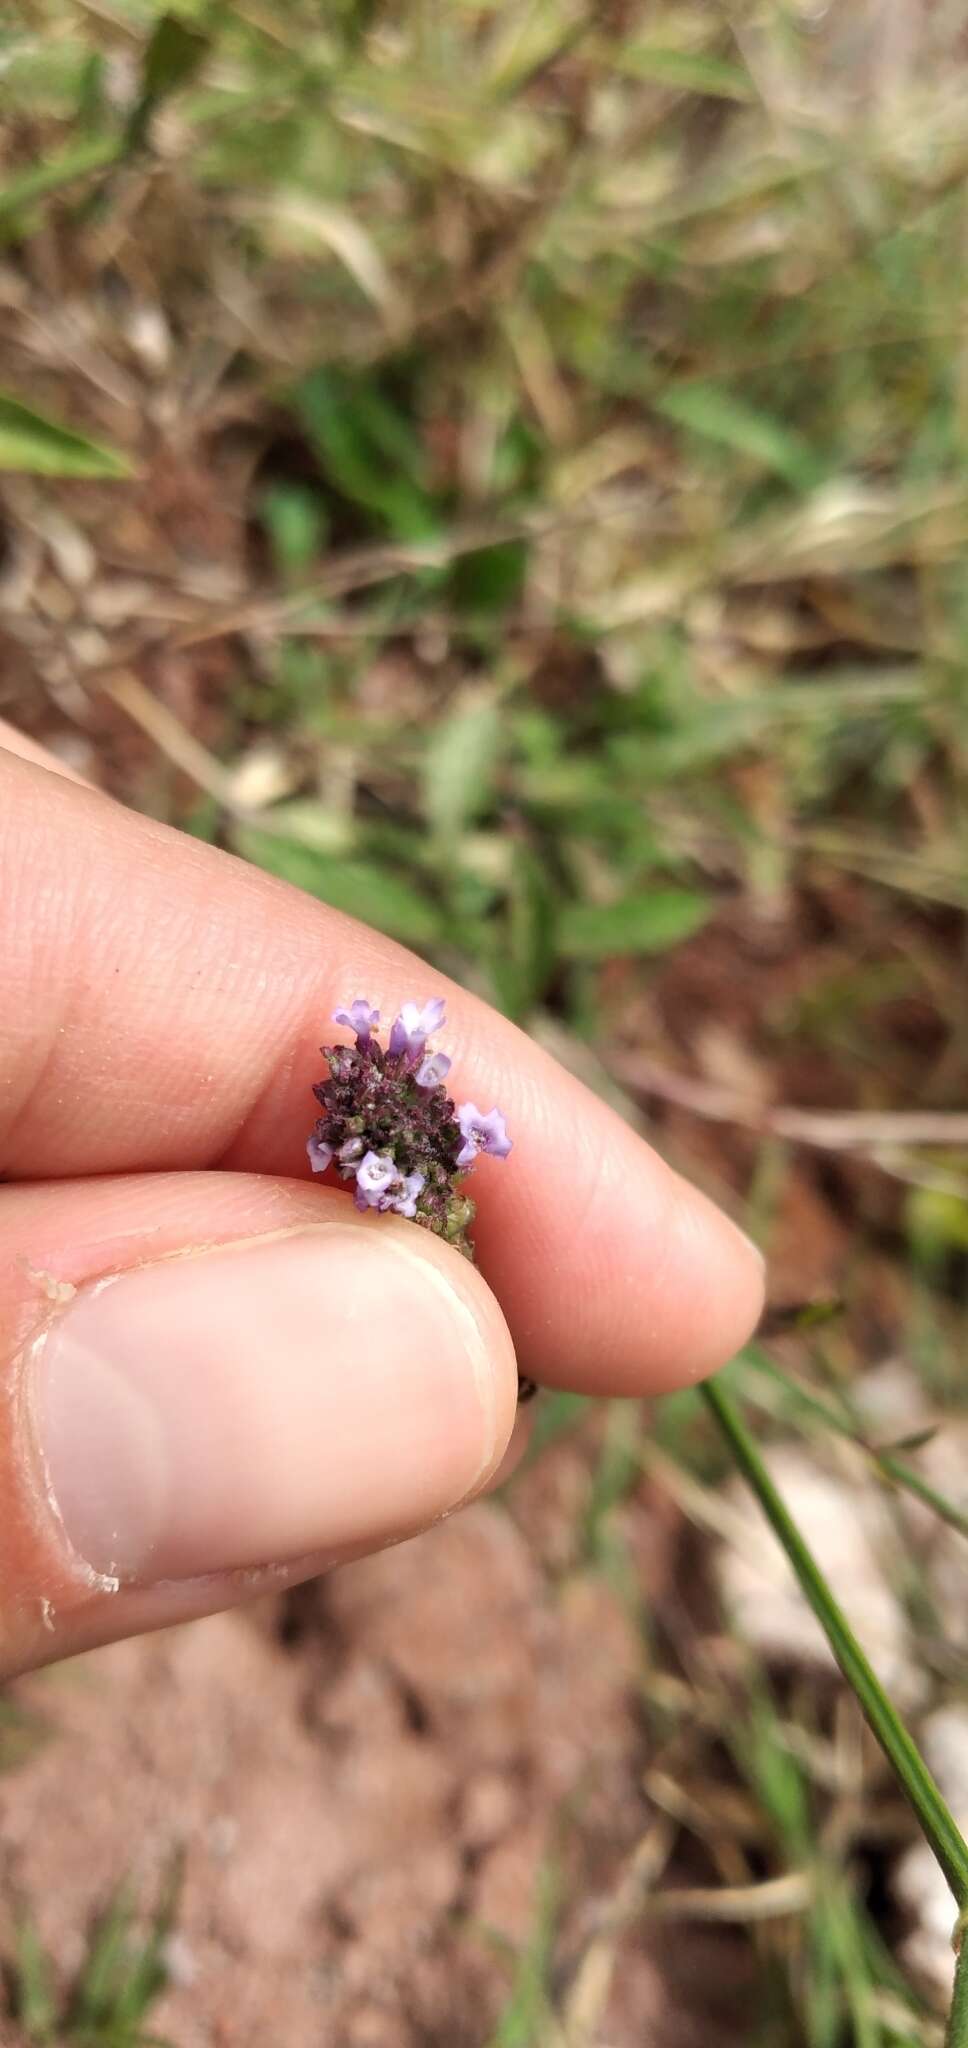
x=389, y=1127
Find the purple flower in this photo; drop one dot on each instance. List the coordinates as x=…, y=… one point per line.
x=374, y=1175
x=381, y=1185
x=391, y=1130
x=359, y=1018
x=410, y=1185
x=410, y=1031
x=481, y=1133
x=433, y=1068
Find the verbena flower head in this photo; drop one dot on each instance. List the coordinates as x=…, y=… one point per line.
x=389, y=1126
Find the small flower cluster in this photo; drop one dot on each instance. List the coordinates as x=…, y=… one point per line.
x=389, y=1126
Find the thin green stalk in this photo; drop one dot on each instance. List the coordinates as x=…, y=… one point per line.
x=943, y=1836
x=956, y=2035
x=79, y=161
x=887, y=1462
x=904, y=1475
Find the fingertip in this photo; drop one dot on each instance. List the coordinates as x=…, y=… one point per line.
x=625, y=1280
x=716, y=1283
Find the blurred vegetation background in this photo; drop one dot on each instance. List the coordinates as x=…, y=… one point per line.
x=501, y=465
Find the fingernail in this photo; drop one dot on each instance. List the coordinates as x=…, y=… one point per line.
x=258, y=1402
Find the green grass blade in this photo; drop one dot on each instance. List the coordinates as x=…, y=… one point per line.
x=361, y=888
x=39, y=180
x=719, y=415
x=34, y=445
x=956, y=2035
x=34, y=1992
x=942, y=1834
x=650, y=922
x=892, y=1467
x=528, y=2007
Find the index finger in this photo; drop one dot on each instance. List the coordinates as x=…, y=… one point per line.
x=162, y=1005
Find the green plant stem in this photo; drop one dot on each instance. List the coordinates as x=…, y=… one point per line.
x=885, y=1461
x=956, y=2033
x=943, y=1836
x=79, y=161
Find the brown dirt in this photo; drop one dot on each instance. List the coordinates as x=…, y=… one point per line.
x=368, y=1781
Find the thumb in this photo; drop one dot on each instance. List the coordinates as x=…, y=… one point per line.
x=207, y=1374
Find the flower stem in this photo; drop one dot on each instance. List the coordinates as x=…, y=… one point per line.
x=956, y=2034
x=943, y=1836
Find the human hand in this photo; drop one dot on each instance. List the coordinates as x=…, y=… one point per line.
x=214, y=1375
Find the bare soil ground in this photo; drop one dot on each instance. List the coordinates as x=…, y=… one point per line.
x=373, y=1782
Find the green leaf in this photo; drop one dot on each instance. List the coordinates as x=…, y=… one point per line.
x=295, y=520
x=458, y=768
x=720, y=416
x=174, y=52
x=524, y=943
x=490, y=579
x=368, y=451
x=914, y=1441
x=689, y=70
x=37, y=180
x=361, y=888
x=937, y=1224
x=34, y=1990
x=124, y=1971
x=649, y=922
x=527, y=2013
x=37, y=446
x=762, y=1751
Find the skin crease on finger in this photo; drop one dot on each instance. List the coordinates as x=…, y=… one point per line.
x=165, y=1008
x=60, y=1606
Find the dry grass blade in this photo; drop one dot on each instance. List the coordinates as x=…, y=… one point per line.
x=827, y=1130
x=774, y=1898
x=584, y=2003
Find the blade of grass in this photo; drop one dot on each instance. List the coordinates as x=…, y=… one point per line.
x=956, y=2034
x=528, y=2016
x=887, y=1462
x=79, y=161
x=35, y=2000
x=33, y=445
x=938, y=1825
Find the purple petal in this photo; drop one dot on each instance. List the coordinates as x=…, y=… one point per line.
x=494, y=1135
x=434, y=1067
x=320, y=1155
x=360, y=1017
x=482, y=1132
x=374, y=1174
x=412, y=1028
x=432, y=1015
x=399, y=1039
x=405, y=1203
